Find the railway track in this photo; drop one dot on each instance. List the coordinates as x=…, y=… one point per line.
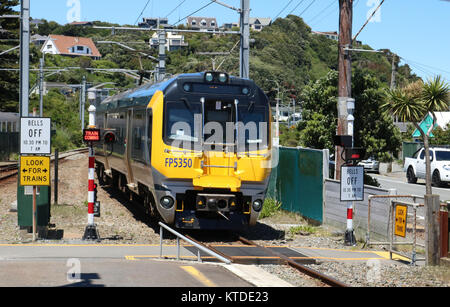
x=11, y=169
x=272, y=254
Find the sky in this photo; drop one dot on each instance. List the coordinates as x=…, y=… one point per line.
x=416, y=30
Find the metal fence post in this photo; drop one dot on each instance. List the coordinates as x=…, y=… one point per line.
x=160, y=241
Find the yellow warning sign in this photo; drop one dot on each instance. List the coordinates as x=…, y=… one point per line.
x=400, y=220
x=34, y=170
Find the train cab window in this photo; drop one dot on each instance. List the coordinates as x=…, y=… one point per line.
x=180, y=121
x=254, y=133
x=217, y=114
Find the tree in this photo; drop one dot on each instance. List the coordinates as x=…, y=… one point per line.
x=377, y=134
x=413, y=103
x=9, y=80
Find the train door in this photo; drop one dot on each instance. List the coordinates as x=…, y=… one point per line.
x=129, y=145
x=149, y=131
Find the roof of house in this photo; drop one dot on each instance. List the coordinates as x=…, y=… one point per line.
x=65, y=43
x=199, y=19
x=262, y=21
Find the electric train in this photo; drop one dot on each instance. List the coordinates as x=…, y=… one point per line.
x=195, y=149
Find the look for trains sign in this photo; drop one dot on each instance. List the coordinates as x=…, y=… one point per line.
x=34, y=171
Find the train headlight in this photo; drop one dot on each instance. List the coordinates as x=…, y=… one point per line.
x=257, y=205
x=209, y=77
x=187, y=87
x=245, y=91
x=223, y=77
x=167, y=202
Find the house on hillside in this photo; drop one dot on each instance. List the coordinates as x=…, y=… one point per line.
x=173, y=41
x=331, y=35
x=442, y=120
x=153, y=23
x=70, y=46
x=202, y=23
x=258, y=23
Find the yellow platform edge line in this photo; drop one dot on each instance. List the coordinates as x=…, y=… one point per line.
x=198, y=275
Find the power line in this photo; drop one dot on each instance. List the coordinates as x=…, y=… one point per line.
x=307, y=8
x=322, y=11
x=283, y=9
x=298, y=4
x=142, y=12
x=324, y=17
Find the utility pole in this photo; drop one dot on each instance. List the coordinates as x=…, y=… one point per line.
x=245, y=39
x=41, y=87
x=162, y=54
x=82, y=101
x=24, y=57
x=345, y=74
x=393, y=76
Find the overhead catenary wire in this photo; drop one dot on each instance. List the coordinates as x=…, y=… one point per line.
x=196, y=11
x=175, y=8
x=137, y=19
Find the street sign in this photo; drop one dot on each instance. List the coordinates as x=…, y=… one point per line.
x=35, y=136
x=34, y=171
x=400, y=220
x=352, y=183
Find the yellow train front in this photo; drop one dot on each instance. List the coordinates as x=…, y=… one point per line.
x=194, y=149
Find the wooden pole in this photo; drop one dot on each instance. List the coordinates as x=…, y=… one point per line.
x=345, y=74
x=432, y=230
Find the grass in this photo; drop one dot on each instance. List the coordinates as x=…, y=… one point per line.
x=271, y=207
x=303, y=229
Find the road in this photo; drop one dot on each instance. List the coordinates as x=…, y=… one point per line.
x=398, y=181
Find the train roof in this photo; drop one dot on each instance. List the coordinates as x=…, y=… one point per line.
x=141, y=95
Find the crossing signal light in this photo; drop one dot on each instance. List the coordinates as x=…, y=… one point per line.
x=110, y=137
x=354, y=153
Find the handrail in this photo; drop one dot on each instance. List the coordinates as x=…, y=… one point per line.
x=180, y=236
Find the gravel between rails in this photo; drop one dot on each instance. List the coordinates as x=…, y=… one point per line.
x=122, y=223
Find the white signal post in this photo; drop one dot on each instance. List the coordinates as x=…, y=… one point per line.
x=91, y=232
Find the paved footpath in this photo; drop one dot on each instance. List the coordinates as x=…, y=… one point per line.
x=119, y=265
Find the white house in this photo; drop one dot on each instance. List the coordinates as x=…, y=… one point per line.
x=173, y=41
x=70, y=46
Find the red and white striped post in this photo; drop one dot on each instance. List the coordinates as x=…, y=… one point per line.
x=91, y=232
x=349, y=233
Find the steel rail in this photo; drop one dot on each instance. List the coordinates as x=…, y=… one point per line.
x=304, y=269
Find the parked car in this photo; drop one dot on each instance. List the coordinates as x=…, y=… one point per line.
x=370, y=165
x=440, y=166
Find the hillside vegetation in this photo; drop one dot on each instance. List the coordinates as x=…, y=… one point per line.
x=286, y=53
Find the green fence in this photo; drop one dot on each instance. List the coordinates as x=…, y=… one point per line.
x=9, y=143
x=298, y=182
x=409, y=148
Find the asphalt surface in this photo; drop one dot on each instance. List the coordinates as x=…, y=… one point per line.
x=96, y=265
x=398, y=181
x=46, y=265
